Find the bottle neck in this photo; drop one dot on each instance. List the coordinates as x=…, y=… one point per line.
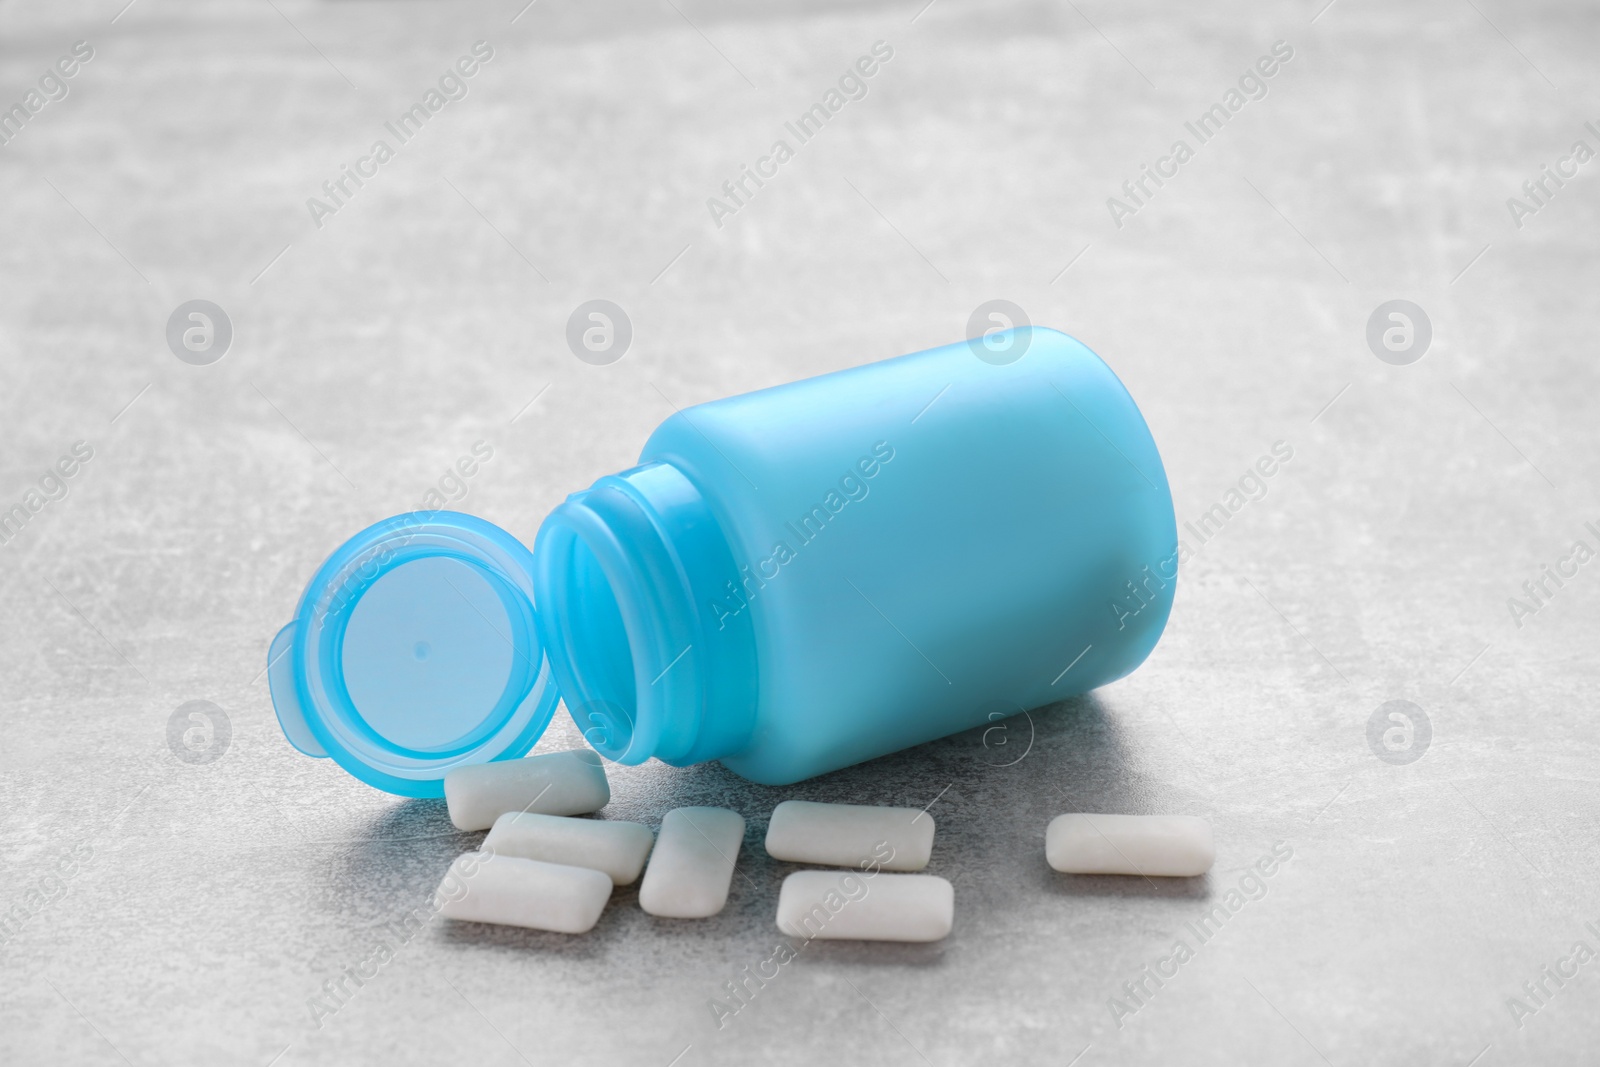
x=627, y=574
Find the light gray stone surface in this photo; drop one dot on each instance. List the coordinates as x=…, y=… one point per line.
x=212, y=901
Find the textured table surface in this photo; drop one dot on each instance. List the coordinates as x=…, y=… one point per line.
x=183, y=890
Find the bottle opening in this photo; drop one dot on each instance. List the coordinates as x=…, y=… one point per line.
x=602, y=698
x=622, y=572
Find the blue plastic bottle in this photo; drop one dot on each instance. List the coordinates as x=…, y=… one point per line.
x=790, y=581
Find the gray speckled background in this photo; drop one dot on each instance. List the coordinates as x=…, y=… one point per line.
x=209, y=902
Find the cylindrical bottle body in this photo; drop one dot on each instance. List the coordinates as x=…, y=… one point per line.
x=924, y=542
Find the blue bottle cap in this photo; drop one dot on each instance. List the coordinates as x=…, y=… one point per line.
x=414, y=651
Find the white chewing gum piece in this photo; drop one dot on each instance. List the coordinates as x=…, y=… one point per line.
x=850, y=835
x=846, y=906
x=692, y=865
x=559, y=783
x=513, y=891
x=1168, y=846
x=617, y=849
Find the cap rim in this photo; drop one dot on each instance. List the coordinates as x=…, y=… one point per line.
x=307, y=671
